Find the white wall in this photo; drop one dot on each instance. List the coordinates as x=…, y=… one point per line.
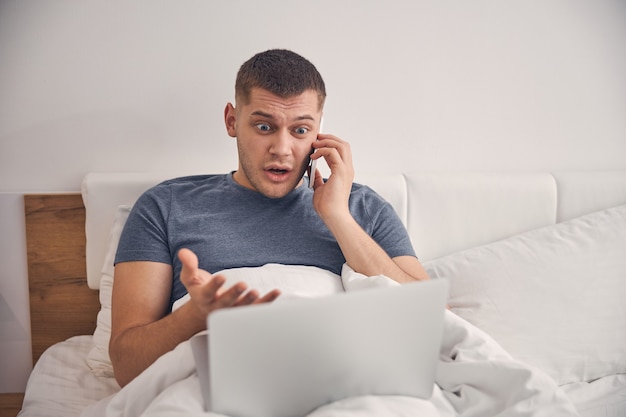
x=114, y=85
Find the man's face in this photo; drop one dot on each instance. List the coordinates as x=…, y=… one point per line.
x=274, y=138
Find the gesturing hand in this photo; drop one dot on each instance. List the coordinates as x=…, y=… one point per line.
x=206, y=292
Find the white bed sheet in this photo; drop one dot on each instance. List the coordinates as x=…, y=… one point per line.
x=61, y=384
x=605, y=397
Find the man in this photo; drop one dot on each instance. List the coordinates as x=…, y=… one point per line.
x=183, y=230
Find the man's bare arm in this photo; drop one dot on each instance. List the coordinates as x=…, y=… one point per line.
x=141, y=330
x=365, y=256
x=362, y=253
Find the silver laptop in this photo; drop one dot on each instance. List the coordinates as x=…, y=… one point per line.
x=290, y=357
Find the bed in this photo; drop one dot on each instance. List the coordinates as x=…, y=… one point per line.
x=536, y=263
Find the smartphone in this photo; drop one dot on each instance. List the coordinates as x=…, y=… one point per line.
x=313, y=163
x=312, y=167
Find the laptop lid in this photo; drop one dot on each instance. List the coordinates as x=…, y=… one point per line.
x=290, y=357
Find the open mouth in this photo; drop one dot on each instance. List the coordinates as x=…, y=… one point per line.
x=278, y=171
x=278, y=174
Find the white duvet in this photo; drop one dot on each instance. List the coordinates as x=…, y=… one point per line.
x=475, y=377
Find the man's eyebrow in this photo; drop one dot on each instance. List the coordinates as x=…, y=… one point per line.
x=269, y=116
x=262, y=114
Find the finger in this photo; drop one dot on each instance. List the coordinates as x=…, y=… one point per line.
x=269, y=297
x=191, y=276
x=211, y=289
x=334, y=150
x=330, y=154
x=248, y=298
x=201, y=285
x=230, y=297
x=329, y=137
x=252, y=297
x=340, y=167
x=189, y=273
x=331, y=141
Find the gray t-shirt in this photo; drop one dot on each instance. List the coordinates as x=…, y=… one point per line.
x=230, y=226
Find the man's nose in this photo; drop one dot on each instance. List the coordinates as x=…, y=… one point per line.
x=281, y=142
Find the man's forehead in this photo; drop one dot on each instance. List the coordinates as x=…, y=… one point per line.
x=261, y=98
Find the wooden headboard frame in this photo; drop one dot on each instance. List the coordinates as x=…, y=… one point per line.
x=61, y=303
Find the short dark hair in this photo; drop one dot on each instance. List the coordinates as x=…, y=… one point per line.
x=281, y=72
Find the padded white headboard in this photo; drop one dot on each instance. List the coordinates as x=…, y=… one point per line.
x=443, y=212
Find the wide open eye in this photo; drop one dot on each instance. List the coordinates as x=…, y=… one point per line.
x=301, y=130
x=263, y=127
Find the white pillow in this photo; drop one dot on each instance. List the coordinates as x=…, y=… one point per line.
x=553, y=297
x=98, y=358
x=292, y=280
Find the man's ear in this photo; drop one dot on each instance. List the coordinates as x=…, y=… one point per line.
x=230, y=119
